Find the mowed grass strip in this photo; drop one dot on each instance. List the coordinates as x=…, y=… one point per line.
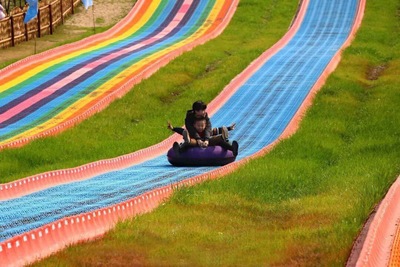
x=304, y=203
x=139, y=119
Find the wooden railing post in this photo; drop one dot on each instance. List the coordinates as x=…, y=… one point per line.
x=51, y=18
x=26, y=32
x=62, y=12
x=12, y=30
x=38, y=24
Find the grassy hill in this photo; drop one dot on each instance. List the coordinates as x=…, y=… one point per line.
x=303, y=204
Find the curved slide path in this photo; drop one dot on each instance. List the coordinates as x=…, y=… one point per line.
x=44, y=213
x=49, y=92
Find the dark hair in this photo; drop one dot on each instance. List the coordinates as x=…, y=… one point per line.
x=199, y=105
x=199, y=119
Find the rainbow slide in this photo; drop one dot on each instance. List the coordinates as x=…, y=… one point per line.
x=47, y=93
x=44, y=213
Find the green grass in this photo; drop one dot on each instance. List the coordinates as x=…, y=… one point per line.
x=302, y=204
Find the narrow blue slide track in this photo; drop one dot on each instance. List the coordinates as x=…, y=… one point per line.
x=262, y=107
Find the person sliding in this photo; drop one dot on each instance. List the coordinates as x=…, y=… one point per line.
x=199, y=132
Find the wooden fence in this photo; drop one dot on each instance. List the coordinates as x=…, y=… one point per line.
x=13, y=30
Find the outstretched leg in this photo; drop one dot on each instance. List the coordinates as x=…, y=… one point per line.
x=187, y=142
x=219, y=141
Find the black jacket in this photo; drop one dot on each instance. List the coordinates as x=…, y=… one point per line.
x=189, y=122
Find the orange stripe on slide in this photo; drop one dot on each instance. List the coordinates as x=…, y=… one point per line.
x=395, y=255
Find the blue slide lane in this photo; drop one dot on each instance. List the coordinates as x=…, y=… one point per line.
x=262, y=107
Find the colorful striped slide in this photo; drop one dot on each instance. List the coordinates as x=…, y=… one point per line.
x=44, y=213
x=47, y=93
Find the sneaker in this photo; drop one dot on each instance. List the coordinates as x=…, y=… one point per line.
x=235, y=148
x=186, y=136
x=225, y=133
x=176, y=147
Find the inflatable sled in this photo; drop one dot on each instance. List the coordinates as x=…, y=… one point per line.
x=197, y=156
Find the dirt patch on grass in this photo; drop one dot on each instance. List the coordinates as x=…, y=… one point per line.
x=373, y=73
x=102, y=14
